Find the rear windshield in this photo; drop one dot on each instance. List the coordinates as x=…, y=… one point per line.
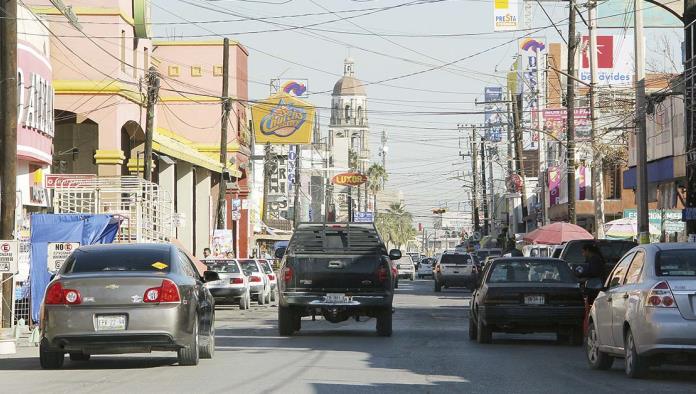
x=223, y=267
x=680, y=262
x=405, y=260
x=461, y=259
x=249, y=265
x=266, y=267
x=126, y=259
x=530, y=271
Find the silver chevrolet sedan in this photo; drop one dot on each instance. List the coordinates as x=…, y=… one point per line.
x=129, y=298
x=646, y=310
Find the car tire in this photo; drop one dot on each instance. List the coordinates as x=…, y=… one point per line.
x=267, y=300
x=48, y=358
x=596, y=359
x=260, y=298
x=438, y=287
x=286, y=325
x=384, y=322
x=636, y=365
x=472, y=328
x=483, y=333
x=244, y=302
x=188, y=355
x=207, y=351
x=79, y=356
x=273, y=295
x=413, y=277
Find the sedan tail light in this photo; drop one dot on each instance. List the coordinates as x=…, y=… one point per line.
x=382, y=274
x=661, y=296
x=57, y=295
x=166, y=292
x=236, y=281
x=271, y=277
x=254, y=279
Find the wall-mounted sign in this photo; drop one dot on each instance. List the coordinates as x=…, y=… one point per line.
x=9, y=257
x=614, y=60
x=349, y=179
x=505, y=15
x=58, y=252
x=68, y=180
x=283, y=119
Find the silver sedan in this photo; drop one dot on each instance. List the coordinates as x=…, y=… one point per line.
x=112, y=299
x=646, y=310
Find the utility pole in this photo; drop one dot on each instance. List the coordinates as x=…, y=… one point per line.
x=8, y=169
x=267, y=171
x=492, y=206
x=226, y=104
x=486, y=218
x=543, y=151
x=519, y=154
x=296, y=203
x=570, y=105
x=153, y=85
x=474, y=173
x=641, y=143
x=597, y=170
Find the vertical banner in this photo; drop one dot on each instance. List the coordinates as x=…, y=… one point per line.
x=505, y=15
x=531, y=52
x=554, y=185
x=493, y=120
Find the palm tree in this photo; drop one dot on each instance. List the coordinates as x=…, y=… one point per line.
x=376, y=178
x=395, y=225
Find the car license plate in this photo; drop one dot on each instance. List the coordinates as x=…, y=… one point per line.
x=534, y=300
x=456, y=272
x=111, y=322
x=337, y=298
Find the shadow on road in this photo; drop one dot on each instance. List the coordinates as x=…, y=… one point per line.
x=95, y=363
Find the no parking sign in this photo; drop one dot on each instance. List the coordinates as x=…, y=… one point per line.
x=58, y=252
x=9, y=254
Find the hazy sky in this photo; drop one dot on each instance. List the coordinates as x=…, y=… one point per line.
x=409, y=43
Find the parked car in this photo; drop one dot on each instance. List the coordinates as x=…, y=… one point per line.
x=611, y=250
x=259, y=284
x=537, y=250
x=233, y=285
x=268, y=270
x=645, y=312
x=455, y=270
x=415, y=257
x=425, y=268
x=525, y=295
x=406, y=267
x=338, y=271
x=127, y=298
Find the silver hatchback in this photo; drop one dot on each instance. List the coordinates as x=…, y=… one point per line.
x=646, y=310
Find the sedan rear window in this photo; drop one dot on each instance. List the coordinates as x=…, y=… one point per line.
x=249, y=265
x=229, y=268
x=530, y=271
x=130, y=259
x=679, y=262
x=457, y=259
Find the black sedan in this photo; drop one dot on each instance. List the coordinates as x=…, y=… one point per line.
x=526, y=295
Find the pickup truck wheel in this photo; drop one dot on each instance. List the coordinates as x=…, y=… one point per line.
x=384, y=323
x=49, y=359
x=483, y=333
x=286, y=324
x=438, y=287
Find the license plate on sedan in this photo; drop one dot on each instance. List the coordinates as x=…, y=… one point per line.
x=534, y=300
x=337, y=298
x=111, y=322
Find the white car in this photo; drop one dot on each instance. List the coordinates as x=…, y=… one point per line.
x=406, y=268
x=425, y=267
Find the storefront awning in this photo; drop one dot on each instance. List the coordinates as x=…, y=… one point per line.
x=173, y=145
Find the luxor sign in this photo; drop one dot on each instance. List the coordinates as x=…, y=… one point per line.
x=349, y=179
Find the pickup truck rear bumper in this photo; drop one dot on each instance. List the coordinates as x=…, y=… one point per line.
x=317, y=300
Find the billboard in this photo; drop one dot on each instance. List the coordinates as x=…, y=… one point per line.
x=532, y=51
x=283, y=119
x=555, y=124
x=614, y=60
x=492, y=116
x=505, y=15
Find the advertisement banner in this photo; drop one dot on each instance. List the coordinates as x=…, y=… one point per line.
x=493, y=120
x=555, y=124
x=283, y=119
x=554, y=185
x=532, y=51
x=614, y=60
x=505, y=15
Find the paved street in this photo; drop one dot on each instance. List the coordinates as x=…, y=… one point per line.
x=429, y=352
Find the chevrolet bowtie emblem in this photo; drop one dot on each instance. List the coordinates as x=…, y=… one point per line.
x=112, y=287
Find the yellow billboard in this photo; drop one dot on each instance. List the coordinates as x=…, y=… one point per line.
x=283, y=119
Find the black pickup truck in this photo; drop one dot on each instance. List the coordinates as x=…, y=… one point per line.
x=338, y=271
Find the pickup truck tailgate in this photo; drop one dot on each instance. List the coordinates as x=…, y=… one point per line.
x=340, y=273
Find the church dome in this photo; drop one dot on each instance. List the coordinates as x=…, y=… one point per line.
x=349, y=86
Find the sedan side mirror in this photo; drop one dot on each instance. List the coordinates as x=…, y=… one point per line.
x=210, y=276
x=279, y=253
x=394, y=254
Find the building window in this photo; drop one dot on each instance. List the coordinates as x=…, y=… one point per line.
x=173, y=71
x=123, y=51
x=135, y=58
x=217, y=70
x=347, y=113
x=196, y=71
x=146, y=59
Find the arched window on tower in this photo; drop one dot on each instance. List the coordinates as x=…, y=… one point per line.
x=347, y=113
x=360, y=116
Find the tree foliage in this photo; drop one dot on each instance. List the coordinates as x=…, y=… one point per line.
x=396, y=225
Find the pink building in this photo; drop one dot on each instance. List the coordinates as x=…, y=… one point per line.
x=98, y=77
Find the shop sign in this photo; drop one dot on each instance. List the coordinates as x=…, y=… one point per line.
x=283, y=119
x=614, y=60
x=492, y=113
x=363, y=217
x=505, y=15
x=54, y=181
x=58, y=252
x=555, y=124
x=349, y=179
x=9, y=257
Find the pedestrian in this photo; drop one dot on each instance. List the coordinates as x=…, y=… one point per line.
x=206, y=253
x=230, y=254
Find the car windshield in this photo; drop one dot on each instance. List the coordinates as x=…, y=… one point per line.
x=266, y=267
x=118, y=259
x=249, y=265
x=529, y=271
x=678, y=262
x=460, y=259
x=229, y=267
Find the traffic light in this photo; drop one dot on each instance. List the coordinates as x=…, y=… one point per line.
x=439, y=211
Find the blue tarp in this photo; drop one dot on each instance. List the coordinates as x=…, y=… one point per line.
x=45, y=228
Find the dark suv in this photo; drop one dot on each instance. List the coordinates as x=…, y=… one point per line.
x=338, y=271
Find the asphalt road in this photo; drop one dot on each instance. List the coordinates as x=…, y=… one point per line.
x=429, y=352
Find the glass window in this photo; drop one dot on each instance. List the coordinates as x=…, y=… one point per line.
x=677, y=262
x=187, y=266
x=118, y=259
x=224, y=266
x=249, y=265
x=266, y=266
x=636, y=268
x=618, y=274
x=530, y=271
x=456, y=259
